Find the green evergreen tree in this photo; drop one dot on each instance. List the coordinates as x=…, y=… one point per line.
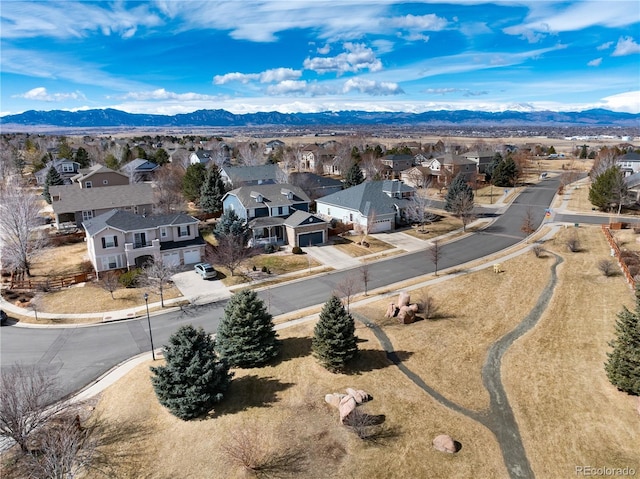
x=212, y=191
x=497, y=159
x=584, y=152
x=353, y=176
x=459, y=189
x=231, y=224
x=82, y=157
x=245, y=337
x=111, y=162
x=161, y=157
x=552, y=150
x=53, y=178
x=194, y=377
x=64, y=150
x=334, y=341
x=608, y=188
x=192, y=181
x=623, y=365
x=505, y=173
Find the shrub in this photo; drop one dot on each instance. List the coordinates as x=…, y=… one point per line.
x=264, y=269
x=296, y=250
x=254, y=268
x=270, y=248
x=606, y=267
x=538, y=250
x=129, y=279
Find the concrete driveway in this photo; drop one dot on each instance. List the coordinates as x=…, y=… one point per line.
x=198, y=290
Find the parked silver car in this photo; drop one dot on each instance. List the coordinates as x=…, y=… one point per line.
x=205, y=270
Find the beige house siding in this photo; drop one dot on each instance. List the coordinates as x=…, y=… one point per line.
x=292, y=233
x=98, y=180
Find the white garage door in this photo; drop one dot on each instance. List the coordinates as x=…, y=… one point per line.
x=171, y=259
x=192, y=256
x=379, y=226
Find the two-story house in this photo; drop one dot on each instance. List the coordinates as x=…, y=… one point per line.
x=120, y=239
x=66, y=168
x=482, y=159
x=629, y=163
x=98, y=176
x=73, y=205
x=394, y=165
x=140, y=170
x=374, y=206
x=269, y=211
x=237, y=176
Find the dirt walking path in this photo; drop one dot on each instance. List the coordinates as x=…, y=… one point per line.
x=498, y=418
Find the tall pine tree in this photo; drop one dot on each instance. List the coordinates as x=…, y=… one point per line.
x=53, y=179
x=245, y=337
x=459, y=189
x=334, y=341
x=231, y=224
x=623, y=365
x=354, y=176
x=212, y=191
x=194, y=377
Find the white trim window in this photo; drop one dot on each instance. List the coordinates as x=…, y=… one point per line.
x=183, y=230
x=163, y=232
x=112, y=262
x=105, y=182
x=109, y=241
x=88, y=184
x=67, y=168
x=87, y=215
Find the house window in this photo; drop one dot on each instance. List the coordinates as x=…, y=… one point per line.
x=350, y=216
x=105, y=182
x=280, y=210
x=87, y=184
x=109, y=241
x=87, y=215
x=329, y=211
x=67, y=168
x=163, y=232
x=111, y=262
x=183, y=231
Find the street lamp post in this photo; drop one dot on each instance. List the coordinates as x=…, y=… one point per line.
x=146, y=302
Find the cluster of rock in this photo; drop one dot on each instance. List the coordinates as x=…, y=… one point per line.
x=404, y=310
x=444, y=443
x=347, y=403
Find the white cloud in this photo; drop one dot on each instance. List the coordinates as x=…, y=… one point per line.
x=595, y=63
x=371, y=87
x=628, y=102
x=604, y=46
x=625, y=46
x=356, y=57
x=162, y=94
x=419, y=23
x=41, y=94
x=324, y=50
x=464, y=91
x=268, y=76
x=288, y=87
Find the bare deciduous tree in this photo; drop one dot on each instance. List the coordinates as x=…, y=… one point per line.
x=528, y=224
x=538, y=250
x=26, y=397
x=109, y=282
x=19, y=238
x=157, y=277
x=347, y=288
x=435, y=253
x=427, y=306
x=251, y=154
x=231, y=252
x=64, y=448
x=417, y=210
x=573, y=243
x=462, y=206
x=365, y=276
x=167, y=189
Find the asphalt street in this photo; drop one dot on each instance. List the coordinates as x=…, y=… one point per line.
x=81, y=354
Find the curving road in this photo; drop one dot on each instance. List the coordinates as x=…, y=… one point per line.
x=81, y=354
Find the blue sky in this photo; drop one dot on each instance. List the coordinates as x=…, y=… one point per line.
x=178, y=56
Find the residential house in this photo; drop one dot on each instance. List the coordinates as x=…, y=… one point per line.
x=267, y=208
x=66, y=168
x=309, y=157
x=140, y=170
x=237, y=176
x=72, y=205
x=419, y=176
x=273, y=146
x=315, y=186
x=393, y=165
x=632, y=182
x=482, y=159
x=335, y=166
x=98, y=176
x=629, y=163
x=453, y=165
x=120, y=239
x=374, y=206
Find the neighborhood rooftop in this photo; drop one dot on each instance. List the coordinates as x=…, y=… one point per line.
x=72, y=198
x=126, y=221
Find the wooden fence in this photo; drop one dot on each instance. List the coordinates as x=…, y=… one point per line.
x=50, y=283
x=616, y=252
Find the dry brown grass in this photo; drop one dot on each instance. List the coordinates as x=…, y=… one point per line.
x=567, y=411
x=59, y=261
x=349, y=246
x=446, y=224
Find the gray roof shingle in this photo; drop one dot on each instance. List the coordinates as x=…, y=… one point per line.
x=74, y=199
x=367, y=197
x=126, y=221
x=272, y=195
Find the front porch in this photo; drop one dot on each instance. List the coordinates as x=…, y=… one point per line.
x=267, y=230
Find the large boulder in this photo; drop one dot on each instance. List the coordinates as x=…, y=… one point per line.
x=333, y=399
x=359, y=395
x=445, y=443
x=346, y=407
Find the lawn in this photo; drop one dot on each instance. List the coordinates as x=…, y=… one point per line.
x=567, y=411
x=445, y=224
x=350, y=246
